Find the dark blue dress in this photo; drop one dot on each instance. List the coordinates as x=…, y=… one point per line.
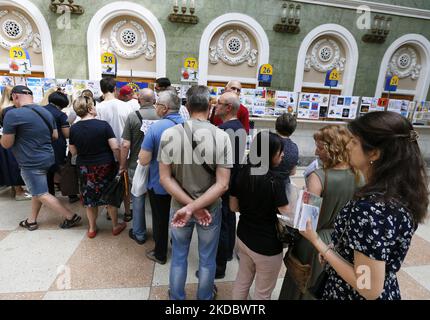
x=381, y=231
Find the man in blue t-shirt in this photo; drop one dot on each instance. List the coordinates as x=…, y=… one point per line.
x=29, y=130
x=227, y=108
x=167, y=108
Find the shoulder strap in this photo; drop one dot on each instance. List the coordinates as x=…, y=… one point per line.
x=139, y=116
x=325, y=180
x=173, y=121
x=51, y=130
x=194, y=146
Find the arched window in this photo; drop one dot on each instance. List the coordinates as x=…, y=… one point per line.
x=134, y=34
x=409, y=58
x=22, y=24
x=232, y=47
x=327, y=47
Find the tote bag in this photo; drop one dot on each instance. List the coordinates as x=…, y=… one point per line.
x=140, y=180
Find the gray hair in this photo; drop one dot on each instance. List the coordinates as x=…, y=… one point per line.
x=233, y=99
x=172, y=101
x=147, y=96
x=198, y=98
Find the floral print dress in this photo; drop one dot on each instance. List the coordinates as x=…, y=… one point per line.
x=381, y=231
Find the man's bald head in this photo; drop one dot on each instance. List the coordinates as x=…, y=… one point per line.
x=228, y=106
x=146, y=97
x=234, y=86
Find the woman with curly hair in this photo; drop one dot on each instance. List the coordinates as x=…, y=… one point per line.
x=336, y=182
x=373, y=233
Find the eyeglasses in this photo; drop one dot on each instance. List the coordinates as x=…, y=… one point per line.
x=160, y=104
x=219, y=103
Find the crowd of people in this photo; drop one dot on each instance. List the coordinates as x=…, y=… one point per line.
x=189, y=159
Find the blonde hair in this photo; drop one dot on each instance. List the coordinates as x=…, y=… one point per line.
x=83, y=105
x=335, y=138
x=5, y=98
x=45, y=100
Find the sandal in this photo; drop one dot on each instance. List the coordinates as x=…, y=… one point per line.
x=119, y=228
x=67, y=224
x=29, y=226
x=128, y=216
x=91, y=234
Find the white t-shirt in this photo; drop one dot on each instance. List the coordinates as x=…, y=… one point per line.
x=134, y=104
x=115, y=112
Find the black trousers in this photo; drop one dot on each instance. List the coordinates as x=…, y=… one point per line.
x=160, y=207
x=227, y=237
x=50, y=177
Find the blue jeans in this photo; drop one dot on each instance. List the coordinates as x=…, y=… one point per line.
x=208, y=243
x=36, y=181
x=139, y=220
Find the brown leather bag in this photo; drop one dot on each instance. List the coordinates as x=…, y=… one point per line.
x=69, y=181
x=301, y=273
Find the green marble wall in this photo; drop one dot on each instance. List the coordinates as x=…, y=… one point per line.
x=182, y=40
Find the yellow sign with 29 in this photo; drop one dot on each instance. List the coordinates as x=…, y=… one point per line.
x=17, y=53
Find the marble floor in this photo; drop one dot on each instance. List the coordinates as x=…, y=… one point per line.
x=55, y=264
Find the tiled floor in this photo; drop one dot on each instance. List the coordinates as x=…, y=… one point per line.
x=51, y=263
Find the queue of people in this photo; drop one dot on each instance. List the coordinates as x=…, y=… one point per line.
x=372, y=180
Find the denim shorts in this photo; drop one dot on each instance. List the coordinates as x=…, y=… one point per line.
x=36, y=181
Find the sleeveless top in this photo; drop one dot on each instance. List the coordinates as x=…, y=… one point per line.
x=341, y=186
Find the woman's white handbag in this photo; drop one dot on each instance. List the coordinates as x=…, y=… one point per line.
x=140, y=180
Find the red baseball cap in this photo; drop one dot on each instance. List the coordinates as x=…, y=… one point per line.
x=125, y=91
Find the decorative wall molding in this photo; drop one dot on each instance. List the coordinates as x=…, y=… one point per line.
x=238, y=48
x=134, y=41
x=325, y=55
x=375, y=7
x=404, y=64
x=349, y=44
x=41, y=40
x=418, y=42
x=22, y=27
x=118, y=9
x=233, y=19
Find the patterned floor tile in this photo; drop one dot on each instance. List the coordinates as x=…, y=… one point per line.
x=22, y=296
x=419, y=253
x=224, y=291
x=30, y=260
x=410, y=289
x=110, y=262
x=101, y=294
x=420, y=274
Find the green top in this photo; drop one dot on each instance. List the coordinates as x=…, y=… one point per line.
x=341, y=186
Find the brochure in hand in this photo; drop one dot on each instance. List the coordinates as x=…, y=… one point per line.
x=303, y=206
